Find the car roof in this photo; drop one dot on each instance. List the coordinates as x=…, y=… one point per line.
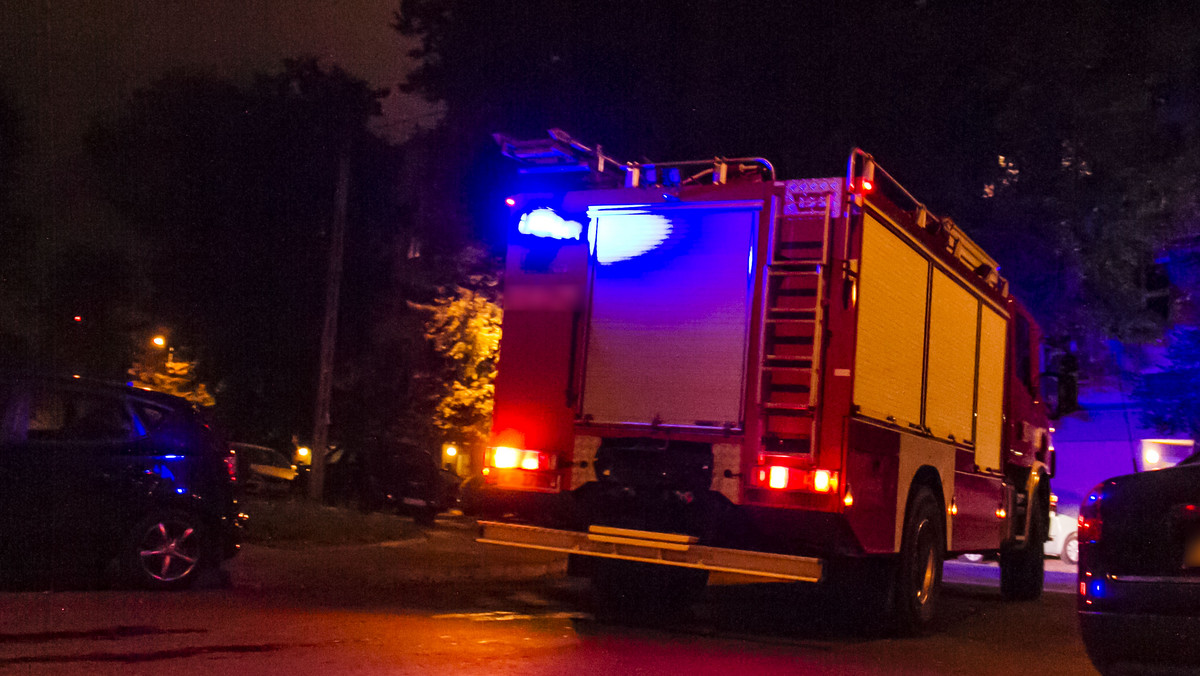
x=242, y=446
x=95, y=385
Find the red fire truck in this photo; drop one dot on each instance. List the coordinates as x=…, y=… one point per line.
x=704, y=368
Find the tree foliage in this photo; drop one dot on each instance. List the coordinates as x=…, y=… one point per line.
x=161, y=371
x=230, y=188
x=463, y=330
x=1099, y=162
x=1170, y=400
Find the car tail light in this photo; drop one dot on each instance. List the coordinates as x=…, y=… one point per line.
x=505, y=457
x=231, y=466
x=1089, y=517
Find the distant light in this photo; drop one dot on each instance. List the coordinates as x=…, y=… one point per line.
x=78, y=318
x=1151, y=456
x=546, y=223
x=451, y=451
x=510, y=202
x=302, y=451
x=159, y=341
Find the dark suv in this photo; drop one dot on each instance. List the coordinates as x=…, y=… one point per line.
x=98, y=477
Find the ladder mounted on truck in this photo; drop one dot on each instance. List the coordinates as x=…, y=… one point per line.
x=793, y=313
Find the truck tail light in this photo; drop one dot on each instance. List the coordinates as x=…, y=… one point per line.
x=231, y=465
x=505, y=457
x=1089, y=517
x=780, y=477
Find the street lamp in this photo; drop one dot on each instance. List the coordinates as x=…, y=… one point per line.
x=159, y=341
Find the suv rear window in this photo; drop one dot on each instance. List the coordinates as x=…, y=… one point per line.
x=65, y=415
x=150, y=416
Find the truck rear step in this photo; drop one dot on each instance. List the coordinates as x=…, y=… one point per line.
x=668, y=549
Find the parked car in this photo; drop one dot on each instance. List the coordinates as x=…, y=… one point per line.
x=1139, y=570
x=1062, y=541
x=97, y=477
x=406, y=478
x=263, y=470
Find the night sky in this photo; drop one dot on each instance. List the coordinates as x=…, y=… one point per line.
x=65, y=62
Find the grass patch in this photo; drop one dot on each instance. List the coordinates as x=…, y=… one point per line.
x=289, y=522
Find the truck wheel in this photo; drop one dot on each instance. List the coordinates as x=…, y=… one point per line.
x=919, y=571
x=632, y=590
x=1023, y=569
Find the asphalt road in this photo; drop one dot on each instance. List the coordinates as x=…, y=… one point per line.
x=335, y=619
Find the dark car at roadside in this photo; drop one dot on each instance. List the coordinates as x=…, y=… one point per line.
x=100, y=479
x=405, y=478
x=1139, y=571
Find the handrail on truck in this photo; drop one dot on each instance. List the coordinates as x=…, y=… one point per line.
x=862, y=165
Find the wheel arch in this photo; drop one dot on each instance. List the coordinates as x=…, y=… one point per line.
x=928, y=476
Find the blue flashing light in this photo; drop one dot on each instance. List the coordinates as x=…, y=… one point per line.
x=181, y=490
x=163, y=471
x=622, y=237
x=172, y=457
x=1097, y=588
x=1093, y=497
x=544, y=222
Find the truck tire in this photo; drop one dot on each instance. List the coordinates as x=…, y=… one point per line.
x=1023, y=569
x=632, y=590
x=919, y=570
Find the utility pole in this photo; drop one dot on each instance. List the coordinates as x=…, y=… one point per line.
x=333, y=284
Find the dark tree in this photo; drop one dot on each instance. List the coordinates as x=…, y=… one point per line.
x=231, y=189
x=16, y=243
x=1170, y=400
x=1096, y=151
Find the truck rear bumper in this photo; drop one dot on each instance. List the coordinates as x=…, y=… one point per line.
x=667, y=549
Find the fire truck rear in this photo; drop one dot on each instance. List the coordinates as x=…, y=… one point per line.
x=704, y=368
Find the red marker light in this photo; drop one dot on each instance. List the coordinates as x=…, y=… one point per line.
x=78, y=318
x=867, y=185
x=510, y=202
